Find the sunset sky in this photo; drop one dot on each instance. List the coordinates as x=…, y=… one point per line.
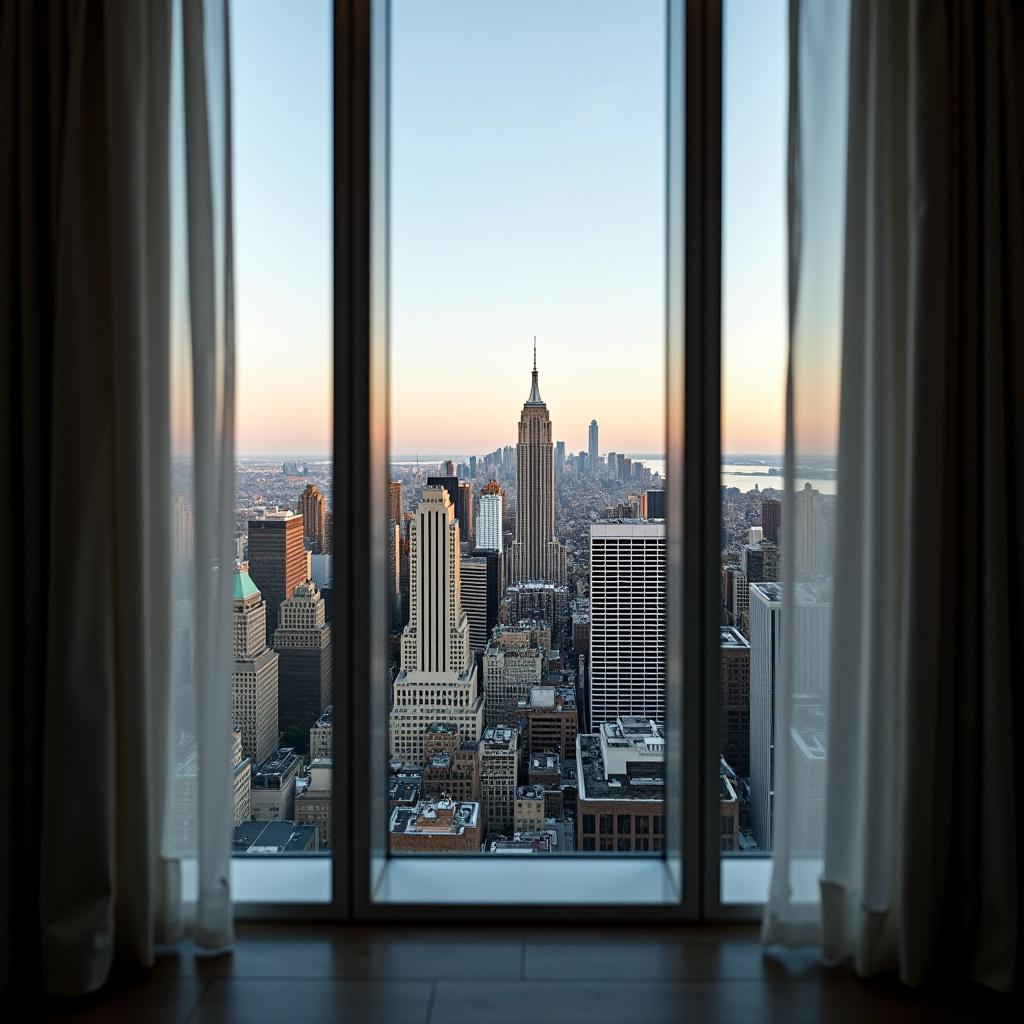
x=527, y=199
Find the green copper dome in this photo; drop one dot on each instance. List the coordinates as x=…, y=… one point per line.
x=244, y=586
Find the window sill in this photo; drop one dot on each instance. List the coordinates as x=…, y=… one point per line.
x=268, y=879
x=601, y=881
x=746, y=878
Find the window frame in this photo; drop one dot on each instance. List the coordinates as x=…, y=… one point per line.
x=690, y=858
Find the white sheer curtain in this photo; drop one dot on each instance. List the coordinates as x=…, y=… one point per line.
x=907, y=218
x=802, y=695
x=202, y=344
x=90, y=130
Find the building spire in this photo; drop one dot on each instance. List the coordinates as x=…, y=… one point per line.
x=535, y=398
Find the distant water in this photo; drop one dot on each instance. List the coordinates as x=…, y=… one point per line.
x=742, y=475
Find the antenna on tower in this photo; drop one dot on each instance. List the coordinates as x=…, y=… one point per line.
x=535, y=353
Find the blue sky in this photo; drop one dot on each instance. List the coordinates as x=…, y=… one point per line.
x=527, y=198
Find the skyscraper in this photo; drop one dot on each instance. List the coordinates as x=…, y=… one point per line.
x=535, y=554
x=734, y=700
x=488, y=527
x=627, y=620
x=394, y=510
x=765, y=637
x=313, y=509
x=559, y=459
x=303, y=645
x=656, y=504
x=464, y=504
x=480, y=596
x=438, y=681
x=254, y=676
x=458, y=498
x=593, y=453
x=808, y=528
x=277, y=561
x=771, y=518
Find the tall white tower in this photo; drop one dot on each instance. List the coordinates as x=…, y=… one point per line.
x=438, y=681
x=488, y=526
x=627, y=620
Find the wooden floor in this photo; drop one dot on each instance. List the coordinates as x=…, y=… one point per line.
x=308, y=974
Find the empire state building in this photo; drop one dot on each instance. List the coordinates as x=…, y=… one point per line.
x=535, y=554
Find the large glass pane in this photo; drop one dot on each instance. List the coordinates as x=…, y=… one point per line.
x=758, y=513
x=281, y=745
x=525, y=541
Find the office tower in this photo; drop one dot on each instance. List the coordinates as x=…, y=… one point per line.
x=273, y=786
x=621, y=774
x=393, y=571
x=625, y=468
x=771, y=519
x=242, y=783
x=559, y=459
x=529, y=815
x=499, y=771
x=472, y=467
x=322, y=571
x=754, y=535
x=313, y=509
x=765, y=637
x=639, y=503
x=513, y=664
x=462, y=502
x=627, y=620
x=303, y=645
x=254, y=676
x=481, y=596
x=812, y=619
x=535, y=554
x=734, y=700
x=449, y=468
x=545, y=602
x=771, y=566
x=277, y=560
x=808, y=530
x=612, y=465
x=313, y=804
x=552, y=721
x=394, y=509
x=321, y=735
x=183, y=529
x=437, y=681
x=655, y=504
x=435, y=826
x=752, y=562
x=452, y=773
x=489, y=517
x=593, y=452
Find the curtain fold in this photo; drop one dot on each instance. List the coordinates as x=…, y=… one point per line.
x=86, y=268
x=921, y=841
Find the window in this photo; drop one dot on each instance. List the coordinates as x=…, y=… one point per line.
x=482, y=233
x=524, y=537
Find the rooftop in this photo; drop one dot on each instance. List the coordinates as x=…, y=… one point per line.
x=435, y=817
x=447, y=728
x=730, y=638
x=325, y=720
x=534, y=792
x=638, y=781
x=280, y=763
x=244, y=586
x=255, y=837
